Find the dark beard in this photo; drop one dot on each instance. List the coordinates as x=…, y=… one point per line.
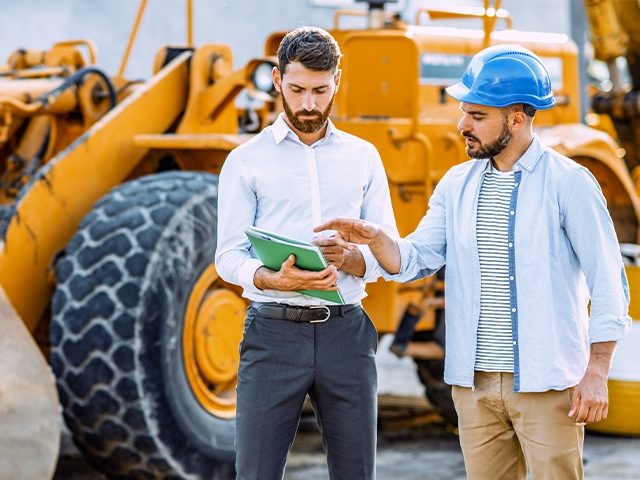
x=307, y=126
x=492, y=148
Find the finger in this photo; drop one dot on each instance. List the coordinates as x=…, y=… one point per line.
x=290, y=261
x=590, y=414
x=342, y=243
x=583, y=412
x=321, y=242
x=337, y=242
x=319, y=276
x=340, y=224
x=334, y=250
x=597, y=416
x=327, y=245
x=333, y=259
x=602, y=411
x=329, y=282
x=575, y=404
x=326, y=283
x=328, y=271
x=334, y=275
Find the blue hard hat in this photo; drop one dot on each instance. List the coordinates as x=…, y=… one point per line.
x=502, y=75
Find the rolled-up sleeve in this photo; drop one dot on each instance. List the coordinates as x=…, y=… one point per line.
x=237, y=205
x=590, y=230
x=372, y=270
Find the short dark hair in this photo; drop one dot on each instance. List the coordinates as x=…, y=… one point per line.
x=313, y=47
x=528, y=110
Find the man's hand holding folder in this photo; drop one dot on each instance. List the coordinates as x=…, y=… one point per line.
x=292, y=278
x=293, y=265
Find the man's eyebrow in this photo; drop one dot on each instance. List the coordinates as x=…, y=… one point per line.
x=476, y=112
x=295, y=85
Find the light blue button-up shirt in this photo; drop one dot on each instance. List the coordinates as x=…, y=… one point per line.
x=563, y=252
x=276, y=182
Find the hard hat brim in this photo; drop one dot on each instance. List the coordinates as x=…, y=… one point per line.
x=462, y=93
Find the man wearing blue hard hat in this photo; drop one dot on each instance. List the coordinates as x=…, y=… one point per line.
x=528, y=242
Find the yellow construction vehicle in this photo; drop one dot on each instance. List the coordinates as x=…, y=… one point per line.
x=108, y=217
x=615, y=35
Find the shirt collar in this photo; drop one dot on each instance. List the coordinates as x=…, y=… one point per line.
x=528, y=160
x=280, y=130
x=532, y=155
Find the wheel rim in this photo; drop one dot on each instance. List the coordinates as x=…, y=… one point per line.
x=213, y=327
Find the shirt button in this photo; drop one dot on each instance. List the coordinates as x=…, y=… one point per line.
x=510, y=245
x=516, y=184
x=511, y=277
x=512, y=212
x=515, y=343
x=513, y=310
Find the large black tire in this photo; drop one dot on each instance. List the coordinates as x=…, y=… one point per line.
x=6, y=212
x=431, y=374
x=123, y=283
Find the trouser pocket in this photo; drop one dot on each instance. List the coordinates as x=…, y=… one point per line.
x=248, y=322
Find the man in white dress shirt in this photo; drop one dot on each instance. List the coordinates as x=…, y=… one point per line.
x=296, y=174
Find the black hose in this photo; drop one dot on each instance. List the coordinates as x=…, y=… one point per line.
x=76, y=79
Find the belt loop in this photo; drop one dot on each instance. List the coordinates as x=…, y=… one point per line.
x=342, y=309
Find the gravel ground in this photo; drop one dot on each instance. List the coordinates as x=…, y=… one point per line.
x=431, y=452
x=407, y=449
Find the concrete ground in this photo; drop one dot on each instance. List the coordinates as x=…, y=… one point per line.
x=408, y=449
x=431, y=451
x=428, y=455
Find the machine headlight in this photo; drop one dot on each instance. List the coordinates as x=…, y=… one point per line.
x=262, y=79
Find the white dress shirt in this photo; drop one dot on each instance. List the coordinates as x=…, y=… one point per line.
x=276, y=182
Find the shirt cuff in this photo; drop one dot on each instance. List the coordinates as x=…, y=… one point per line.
x=371, y=267
x=246, y=273
x=608, y=328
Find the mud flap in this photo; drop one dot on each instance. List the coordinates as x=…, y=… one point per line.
x=29, y=408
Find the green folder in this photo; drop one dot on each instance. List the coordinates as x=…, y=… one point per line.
x=274, y=249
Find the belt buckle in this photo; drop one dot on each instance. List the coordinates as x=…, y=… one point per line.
x=323, y=319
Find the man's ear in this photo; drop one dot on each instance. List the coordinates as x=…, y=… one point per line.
x=277, y=79
x=337, y=77
x=518, y=120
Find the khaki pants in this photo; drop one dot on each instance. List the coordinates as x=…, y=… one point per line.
x=502, y=432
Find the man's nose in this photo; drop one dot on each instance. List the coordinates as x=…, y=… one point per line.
x=463, y=124
x=309, y=102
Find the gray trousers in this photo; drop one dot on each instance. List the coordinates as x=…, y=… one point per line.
x=282, y=361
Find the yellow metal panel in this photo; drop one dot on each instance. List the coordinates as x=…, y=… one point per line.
x=380, y=75
x=194, y=141
x=624, y=404
x=49, y=211
x=633, y=275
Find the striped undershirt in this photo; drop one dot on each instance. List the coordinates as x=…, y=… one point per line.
x=495, y=342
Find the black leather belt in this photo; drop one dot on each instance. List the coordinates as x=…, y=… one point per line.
x=310, y=314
